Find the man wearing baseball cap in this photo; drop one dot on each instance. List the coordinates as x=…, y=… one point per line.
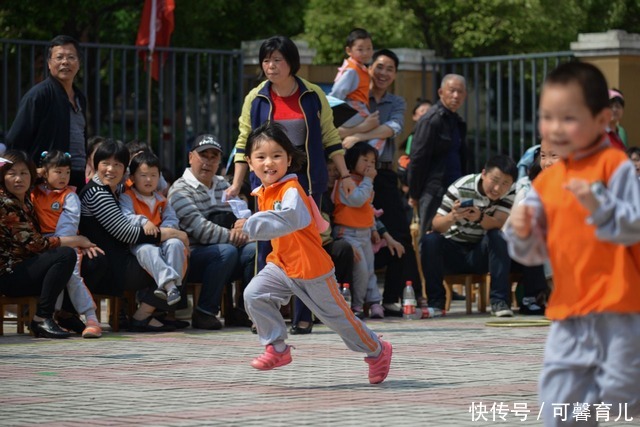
x=219, y=254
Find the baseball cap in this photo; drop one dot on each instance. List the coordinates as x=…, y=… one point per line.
x=204, y=142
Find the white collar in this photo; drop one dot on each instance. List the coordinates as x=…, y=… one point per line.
x=190, y=178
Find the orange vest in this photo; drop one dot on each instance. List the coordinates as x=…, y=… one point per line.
x=361, y=93
x=141, y=208
x=352, y=216
x=299, y=254
x=589, y=275
x=48, y=205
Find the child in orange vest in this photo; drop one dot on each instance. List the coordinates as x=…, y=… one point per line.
x=57, y=207
x=583, y=214
x=297, y=264
x=352, y=81
x=144, y=206
x=354, y=220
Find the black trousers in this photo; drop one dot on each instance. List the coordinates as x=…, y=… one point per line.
x=44, y=275
x=399, y=270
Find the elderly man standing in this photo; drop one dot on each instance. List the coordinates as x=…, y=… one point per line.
x=219, y=253
x=438, y=150
x=51, y=115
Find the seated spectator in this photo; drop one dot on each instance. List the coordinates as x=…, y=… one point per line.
x=219, y=253
x=535, y=291
x=103, y=221
x=467, y=236
x=31, y=264
x=57, y=208
x=143, y=205
x=634, y=155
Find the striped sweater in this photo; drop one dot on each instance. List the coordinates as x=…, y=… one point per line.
x=468, y=187
x=102, y=220
x=194, y=203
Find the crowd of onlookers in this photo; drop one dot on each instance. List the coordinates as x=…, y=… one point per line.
x=82, y=216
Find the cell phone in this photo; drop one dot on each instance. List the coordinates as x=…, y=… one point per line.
x=468, y=203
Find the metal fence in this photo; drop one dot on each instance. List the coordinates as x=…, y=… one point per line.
x=502, y=99
x=198, y=90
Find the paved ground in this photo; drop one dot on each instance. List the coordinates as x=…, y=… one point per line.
x=199, y=378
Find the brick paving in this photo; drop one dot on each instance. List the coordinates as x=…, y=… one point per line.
x=199, y=378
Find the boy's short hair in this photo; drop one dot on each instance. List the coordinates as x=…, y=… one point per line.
x=357, y=34
x=386, y=52
x=590, y=79
x=286, y=47
x=504, y=163
x=144, y=157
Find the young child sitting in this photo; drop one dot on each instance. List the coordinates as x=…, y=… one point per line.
x=352, y=81
x=297, y=264
x=354, y=221
x=584, y=215
x=144, y=206
x=57, y=207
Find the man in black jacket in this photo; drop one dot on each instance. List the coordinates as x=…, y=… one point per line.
x=438, y=150
x=51, y=115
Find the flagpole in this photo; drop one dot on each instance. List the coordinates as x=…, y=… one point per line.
x=150, y=71
x=152, y=44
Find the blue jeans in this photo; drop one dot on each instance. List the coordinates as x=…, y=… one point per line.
x=440, y=256
x=215, y=266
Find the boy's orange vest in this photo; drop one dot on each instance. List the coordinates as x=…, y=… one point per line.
x=141, y=208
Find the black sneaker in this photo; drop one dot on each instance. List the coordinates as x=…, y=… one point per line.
x=501, y=309
x=200, y=320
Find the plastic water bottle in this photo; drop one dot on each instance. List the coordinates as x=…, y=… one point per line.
x=409, y=302
x=346, y=293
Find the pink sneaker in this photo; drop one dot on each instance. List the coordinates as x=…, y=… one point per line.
x=271, y=359
x=379, y=366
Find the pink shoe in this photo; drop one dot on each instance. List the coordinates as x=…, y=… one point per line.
x=92, y=330
x=379, y=366
x=271, y=359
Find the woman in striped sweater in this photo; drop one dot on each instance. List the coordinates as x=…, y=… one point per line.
x=103, y=220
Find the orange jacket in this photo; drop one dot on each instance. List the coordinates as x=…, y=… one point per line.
x=285, y=218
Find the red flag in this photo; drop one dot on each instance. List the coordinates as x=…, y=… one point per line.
x=157, y=31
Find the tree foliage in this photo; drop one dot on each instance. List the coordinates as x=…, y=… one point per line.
x=453, y=28
x=463, y=28
x=328, y=22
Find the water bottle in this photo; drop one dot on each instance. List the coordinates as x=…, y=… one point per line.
x=346, y=293
x=409, y=302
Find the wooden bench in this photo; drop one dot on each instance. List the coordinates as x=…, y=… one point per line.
x=476, y=287
x=20, y=303
x=114, y=306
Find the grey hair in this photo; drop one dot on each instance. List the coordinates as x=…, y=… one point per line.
x=448, y=77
